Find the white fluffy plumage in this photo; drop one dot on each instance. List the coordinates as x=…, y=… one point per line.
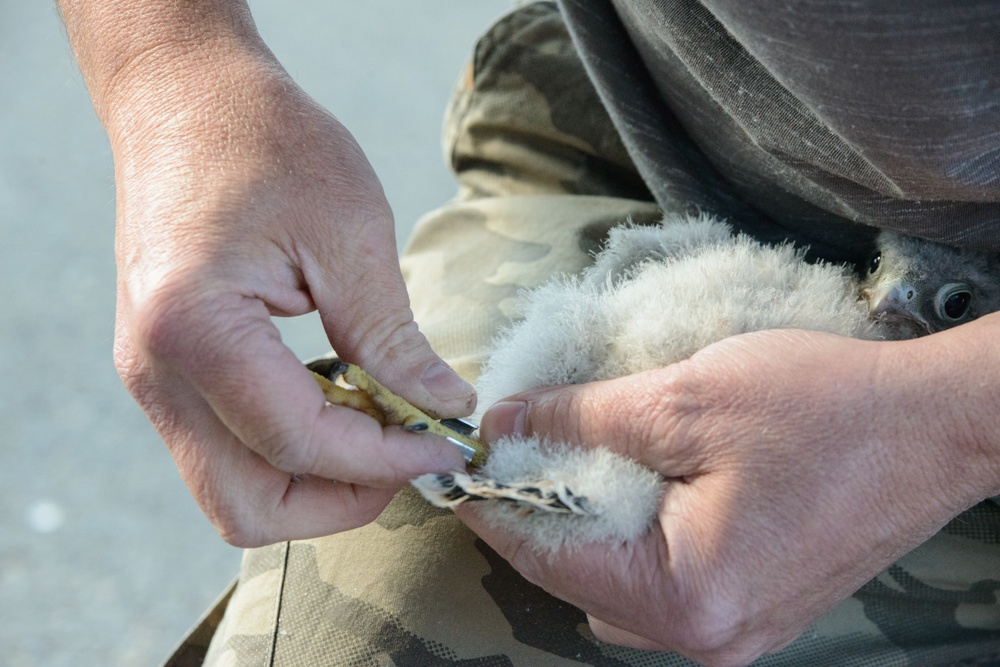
x=657, y=295
x=654, y=296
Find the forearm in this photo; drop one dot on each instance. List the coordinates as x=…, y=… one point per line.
x=146, y=61
x=198, y=112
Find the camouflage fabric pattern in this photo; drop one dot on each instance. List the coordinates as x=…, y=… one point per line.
x=543, y=175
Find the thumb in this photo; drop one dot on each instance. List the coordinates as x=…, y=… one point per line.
x=623, y=414
x=367, y=316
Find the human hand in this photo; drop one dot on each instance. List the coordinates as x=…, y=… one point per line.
x=800, y=465
x=240, y=199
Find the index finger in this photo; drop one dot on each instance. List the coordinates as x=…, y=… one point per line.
x=272, y=404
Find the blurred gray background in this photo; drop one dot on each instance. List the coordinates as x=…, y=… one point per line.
x=104, y=557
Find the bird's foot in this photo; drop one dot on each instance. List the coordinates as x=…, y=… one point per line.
x=348, y=385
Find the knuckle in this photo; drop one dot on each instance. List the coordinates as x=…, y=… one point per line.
x=183, y=326
x=157, y=323
x=561, y=415
x=363, y=514
x=669, y=410
x=128, y=364
x=240, y=533
x=238, y=519
x=161, y=333
x=244, y=521
x=188, y=316
x=393, y=340
x=146, y=388
x=716, y=633
x=288, y=449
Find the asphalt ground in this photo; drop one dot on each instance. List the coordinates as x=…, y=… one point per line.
x=104, y=557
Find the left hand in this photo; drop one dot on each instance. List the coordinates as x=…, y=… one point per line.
x=801, y=464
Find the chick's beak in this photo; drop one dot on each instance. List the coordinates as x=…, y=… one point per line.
x=893, y=303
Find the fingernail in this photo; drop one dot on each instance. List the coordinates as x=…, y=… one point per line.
x=444, y=383
x=504, y=418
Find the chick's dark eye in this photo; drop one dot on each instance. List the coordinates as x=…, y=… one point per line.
x=952, y=301
x=956, y=305
x=874, y=262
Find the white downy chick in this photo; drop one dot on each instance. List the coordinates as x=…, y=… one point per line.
x=655, y=296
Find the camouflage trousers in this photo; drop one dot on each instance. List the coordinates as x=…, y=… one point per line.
x=542, y=177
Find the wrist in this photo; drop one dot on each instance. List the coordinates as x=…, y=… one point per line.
x=151, y=63
x=944, y=388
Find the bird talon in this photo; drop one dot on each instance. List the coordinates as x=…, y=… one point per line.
x=349, y=386
x=329, y=367
x=416, y=426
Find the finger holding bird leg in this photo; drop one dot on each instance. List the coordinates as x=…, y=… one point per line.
x=349, y=386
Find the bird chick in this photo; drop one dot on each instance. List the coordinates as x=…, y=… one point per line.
x=916, y=287
x=655, y=296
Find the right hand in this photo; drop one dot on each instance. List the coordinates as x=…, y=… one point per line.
x=239, y=199
x=800, y=464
